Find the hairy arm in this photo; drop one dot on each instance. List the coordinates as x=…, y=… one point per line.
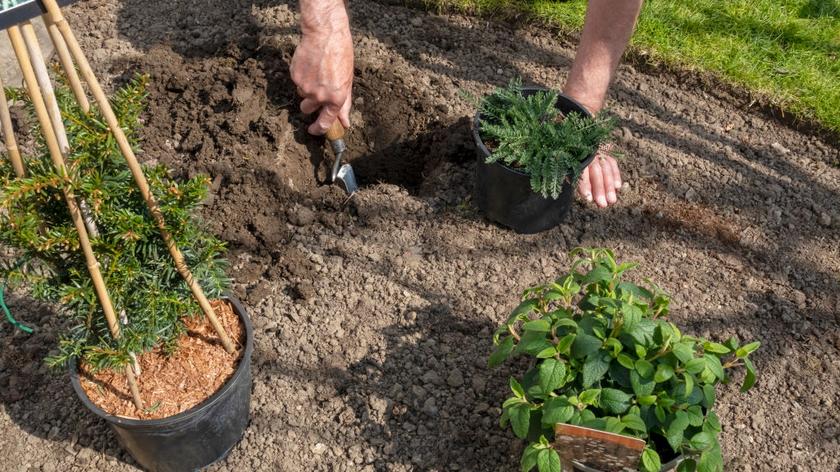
x=606, y=32
x=322, y=67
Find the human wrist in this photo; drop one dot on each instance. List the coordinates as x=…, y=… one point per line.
x=591, y=98
x=323, y=17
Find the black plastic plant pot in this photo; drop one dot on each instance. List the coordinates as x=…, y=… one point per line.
x=504, y=194
x=197, y=437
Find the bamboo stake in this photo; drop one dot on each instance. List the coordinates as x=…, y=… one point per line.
x=19, y=47
x=9, y=133
x=66, y=62
x=42, y=75
x=136, y=170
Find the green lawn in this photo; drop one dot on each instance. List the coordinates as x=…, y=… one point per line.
x=786, y=50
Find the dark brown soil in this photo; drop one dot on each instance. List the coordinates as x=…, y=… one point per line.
x=373, y=317
x=171, y=384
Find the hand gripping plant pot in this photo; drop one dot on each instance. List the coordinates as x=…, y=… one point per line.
x=197, y=437
x=606, y=358
x=510, y=195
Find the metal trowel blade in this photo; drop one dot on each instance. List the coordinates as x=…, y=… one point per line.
x=347, y=178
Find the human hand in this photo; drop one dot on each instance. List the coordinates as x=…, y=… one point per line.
x=601, y=180
x=322, y=66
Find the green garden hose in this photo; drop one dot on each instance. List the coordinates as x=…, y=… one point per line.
x=8, y=313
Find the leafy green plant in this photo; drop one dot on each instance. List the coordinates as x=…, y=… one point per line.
x=145, y=287
x=608, y=358
x=529, y=133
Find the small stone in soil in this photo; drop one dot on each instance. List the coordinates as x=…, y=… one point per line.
x=319, y=449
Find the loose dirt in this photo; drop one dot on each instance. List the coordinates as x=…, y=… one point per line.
x=373, y=317
x=172, y=383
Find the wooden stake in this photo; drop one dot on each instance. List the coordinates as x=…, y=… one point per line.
x=67, y=62
x=42, y=75
x=9, y=133
x=19, y=47
x=136, y=170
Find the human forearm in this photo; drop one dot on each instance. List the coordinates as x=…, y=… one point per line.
x=606, y=32
x=323, y=16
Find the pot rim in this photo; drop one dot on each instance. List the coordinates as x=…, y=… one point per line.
x=480, y=143
x=184, y=415
x=664, y=467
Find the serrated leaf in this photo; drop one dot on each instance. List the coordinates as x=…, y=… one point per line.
x=520, y=419
x=683, y=351
x=556, y=410
x=708, y=396
x=597, y=274
x=529, y=458
x=552, y=375
x=641, y=387
x=650, y=460
x=589, y=397
x=714, y=365
x=712, y=423
x=634, y=422
x=632, y=315
x=749, y=378
x=716, y=348
x=664, y=372
x=512, y=401
x=646, y=400
x=546, y=353
x=532, y=343
x=687, y=465
x=584, y=345
x=596, y=365
x=644, y=368
x=641, y=352
x=565, y=323
x=502, y=352
x=702, y=441
x=675, y=431
x=614, y=345
x=525, y=308
x=540, y=326
x=747, y=349
x=516, y=388
x=695, y=366
x=626, y=361
x=689, y=383
x=695, y=415
x=548, y=461
x=614, y=401
x=710, y=461
x=564, y=346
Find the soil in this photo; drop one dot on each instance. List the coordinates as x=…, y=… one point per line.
x=171, y=384
x=373, y=316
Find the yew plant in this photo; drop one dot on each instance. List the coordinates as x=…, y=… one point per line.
x=147, y=291
x=529, y=133
x=607, y=357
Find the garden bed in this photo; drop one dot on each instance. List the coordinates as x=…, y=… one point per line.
x=373, y=317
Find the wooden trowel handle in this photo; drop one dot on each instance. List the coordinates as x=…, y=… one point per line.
x=336, y=131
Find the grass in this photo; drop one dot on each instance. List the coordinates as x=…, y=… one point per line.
x=785, y=50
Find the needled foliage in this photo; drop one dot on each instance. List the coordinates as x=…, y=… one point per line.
x=606, y=357
x=529, y=133
x=147, y=291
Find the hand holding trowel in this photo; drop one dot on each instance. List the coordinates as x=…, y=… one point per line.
x=342, y=173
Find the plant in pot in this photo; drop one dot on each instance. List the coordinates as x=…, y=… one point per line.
x=532, y=145
x=606, y=357
x=140, y=353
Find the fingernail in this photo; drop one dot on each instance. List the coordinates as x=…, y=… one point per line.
x=602, y=201
x=611, y=197
x=588, y=197
x=618, y=185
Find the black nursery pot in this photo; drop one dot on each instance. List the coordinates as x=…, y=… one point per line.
x=504, y=194
x=197, y=437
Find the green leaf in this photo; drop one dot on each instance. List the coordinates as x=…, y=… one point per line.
x=529, y=458
x=596, y=365
x=513, y=401
x=640, y=386
x=540, y=326
x=634, y=422
x=626, y=361
x=584, y=345
x=702, y=441
x=632, y=315
x=502, y=352
x=675, y=431
x=520, y=419
x=546, y=353
x=524, y=308
x=644, y=368
x=695, y=415
x=687, y=465
x=532, y=343
x=689, y=383
x=713, y=364
x=712, y=423
x=590, y=397
x=565, y=323
x=747, y=349
x=708, y=396
x=635, y=290
x=749, y=378
x=650, y=461
x=614, y=401
x=548, y=461
x=716, y=348
x=683, y=351
x=597, y=274
x=664, y=372
x=646, y=400
x=641, y=352
x=613, y=344
x=563, y=347
x=695, y=366
x=552, y=375
x=516, y=388
x=710, y=461
x=556, y=410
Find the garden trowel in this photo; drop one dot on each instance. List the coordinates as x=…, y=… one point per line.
x=341, y=173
